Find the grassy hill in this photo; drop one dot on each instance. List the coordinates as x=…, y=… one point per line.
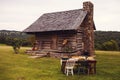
x=20, y=67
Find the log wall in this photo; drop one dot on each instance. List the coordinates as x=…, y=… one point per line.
x=54, y=41
x=45, y=41
x=71, y=39
x=79, y=39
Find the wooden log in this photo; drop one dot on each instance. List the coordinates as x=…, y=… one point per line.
x=62, y=38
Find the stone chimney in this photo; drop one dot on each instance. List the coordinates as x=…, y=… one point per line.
x=88, y=6
x=89, y=28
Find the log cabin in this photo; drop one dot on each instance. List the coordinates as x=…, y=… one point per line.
x=75, y=26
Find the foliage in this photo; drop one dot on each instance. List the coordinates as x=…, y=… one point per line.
x=7, y=36
x=104, y=37
x=20, y=67
x=16, y=44
x=67, y=48
x=110, y=46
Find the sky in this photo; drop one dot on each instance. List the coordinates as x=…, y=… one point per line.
x=19, y=14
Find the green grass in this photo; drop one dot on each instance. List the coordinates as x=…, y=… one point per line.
x=16, y=66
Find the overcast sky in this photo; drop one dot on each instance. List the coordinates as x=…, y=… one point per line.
x=19, y=14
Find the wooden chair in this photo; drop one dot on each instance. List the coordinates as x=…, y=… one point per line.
x=69, y=67
x=92, y=67
x=82, y=67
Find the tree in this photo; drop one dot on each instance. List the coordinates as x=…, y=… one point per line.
x=111, y=45
x=104, y=36
x=16, y=44
x=115, y=45
x=98, y=46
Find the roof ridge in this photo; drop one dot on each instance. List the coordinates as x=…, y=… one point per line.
x=62, y=11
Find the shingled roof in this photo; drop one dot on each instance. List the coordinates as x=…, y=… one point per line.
x=65, y=20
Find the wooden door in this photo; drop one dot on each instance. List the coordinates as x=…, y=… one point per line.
x=54, y=42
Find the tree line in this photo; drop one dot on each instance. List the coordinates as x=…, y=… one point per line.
x=7, y=37
x=16, y=39
x=107, y=40
x=104, y=40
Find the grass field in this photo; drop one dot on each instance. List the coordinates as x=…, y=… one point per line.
x=20, y=67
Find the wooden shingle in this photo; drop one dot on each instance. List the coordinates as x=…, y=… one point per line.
x=57, y=21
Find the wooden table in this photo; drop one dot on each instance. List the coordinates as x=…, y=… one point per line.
x=91, y=68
